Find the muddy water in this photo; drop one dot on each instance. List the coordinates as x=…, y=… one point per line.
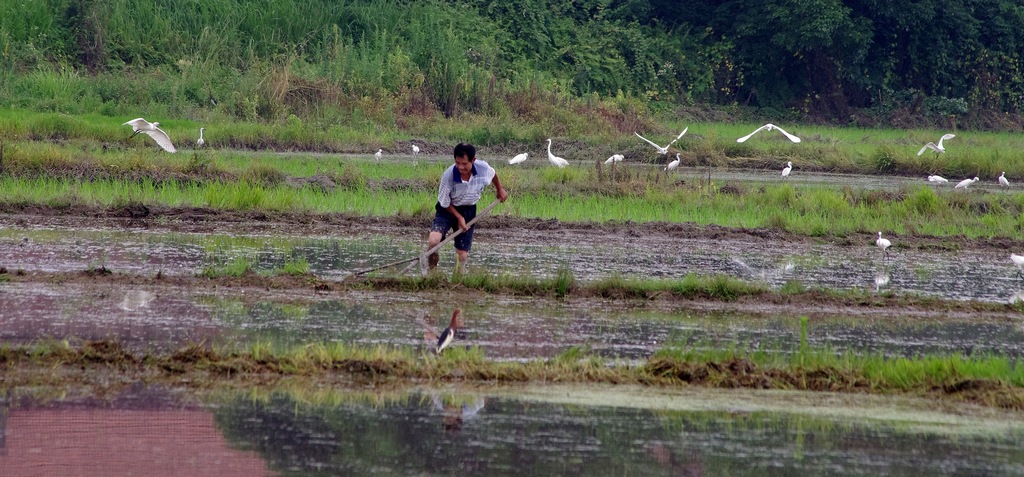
x=549, y=431
x=506, y=328
x=976, y=275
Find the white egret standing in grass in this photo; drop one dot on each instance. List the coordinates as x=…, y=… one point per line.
x=883, y=244
x=558, y=161
x=1018, y=260
x=1002, y=180
x=379, y=154
x=662, y=150
x=937, y=179
x=519, y=158
x=769, y=127
x=674, y=164
x=415, y=149
x=614, y=158
x=201, y=142
x=964, y=183
x=936, y=147
x=152, y=130
x=787, y=169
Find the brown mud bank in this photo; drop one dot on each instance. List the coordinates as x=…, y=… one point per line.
x=553, y=231
x=742, y=298
x=106, y=365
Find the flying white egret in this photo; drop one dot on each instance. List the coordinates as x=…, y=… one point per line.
x=1002, y=180
x=614, y=158
x=883, y=244
x=415, y=149
x=787, y=169
x=662, y=150
x=558, y=161
x=939, y=179
x=1018, y=260
x=770, y=127
x=966, y=182
x=152, y=130
x=379, y=154
x=201, y=142
x=674, y=164
x=936, y=147
x=519, y=158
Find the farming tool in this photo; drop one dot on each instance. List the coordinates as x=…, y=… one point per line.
x=421, y=259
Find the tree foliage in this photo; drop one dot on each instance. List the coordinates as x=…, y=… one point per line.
x=816, y=57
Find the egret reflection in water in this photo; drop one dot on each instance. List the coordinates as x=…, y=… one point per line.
x=136, y=299
x=882, y=278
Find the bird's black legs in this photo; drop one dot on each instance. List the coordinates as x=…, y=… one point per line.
x=135, y=134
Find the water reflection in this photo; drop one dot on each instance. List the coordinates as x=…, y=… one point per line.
x=882, y=278
x=515, y=436
x=455, y=411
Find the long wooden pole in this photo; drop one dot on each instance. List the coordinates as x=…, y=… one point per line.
x=437, y=247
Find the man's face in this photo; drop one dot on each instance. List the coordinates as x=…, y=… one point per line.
x=464, y=165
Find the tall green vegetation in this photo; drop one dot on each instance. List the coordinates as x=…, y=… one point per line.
x=378, y=62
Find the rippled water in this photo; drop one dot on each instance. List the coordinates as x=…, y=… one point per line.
x=977, y=275
x=554, y=431
x=507, y=328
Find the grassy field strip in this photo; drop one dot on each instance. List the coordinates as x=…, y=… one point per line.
x=814, y=211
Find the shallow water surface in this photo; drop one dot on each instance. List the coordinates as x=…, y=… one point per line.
x=505, y=327
x=539, y=431
x=976, y=275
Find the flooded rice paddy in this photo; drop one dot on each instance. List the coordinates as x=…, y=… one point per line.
x=164, y=319
x=499, y=431
x=303, y=428
x=962, y=275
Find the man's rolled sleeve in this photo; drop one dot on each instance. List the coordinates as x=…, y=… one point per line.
x=444, y=191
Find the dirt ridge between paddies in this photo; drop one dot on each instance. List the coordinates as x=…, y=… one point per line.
x=690, y=292
x=104, y=364
x=214, y=220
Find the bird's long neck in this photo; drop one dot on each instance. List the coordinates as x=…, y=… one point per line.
x=200, y=133
x=549, y=147
x=455, y=320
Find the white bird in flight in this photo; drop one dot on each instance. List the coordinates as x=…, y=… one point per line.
x=936, y=147
x=787, y=169
x=662, y=150
x=674, y=164
x=201, y=142
x=152, y=130
x=558, y=161
x=770, y=127
x=939, y=179
x=883, y=244
x=614, y=158
x=1002, y=180
x=1018, y=260
x=966, y=182
x=415, y=149
x=379, y=154
x=519, y=158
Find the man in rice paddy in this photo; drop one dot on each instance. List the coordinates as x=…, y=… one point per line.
x=460, y=189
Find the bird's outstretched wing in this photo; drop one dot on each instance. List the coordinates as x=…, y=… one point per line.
x=788, y=135
x=930, y=145
x=162, y=139
x=947, y=136
x=748, y=136
x=677, y=137
x=648, y=141
x=136, y=123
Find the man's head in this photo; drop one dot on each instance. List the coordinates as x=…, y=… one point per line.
x=465, y=154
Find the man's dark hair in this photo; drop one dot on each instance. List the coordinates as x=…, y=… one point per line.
x=465, y=150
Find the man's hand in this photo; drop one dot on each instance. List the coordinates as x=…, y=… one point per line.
x=462, y=224
x=501, y=194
